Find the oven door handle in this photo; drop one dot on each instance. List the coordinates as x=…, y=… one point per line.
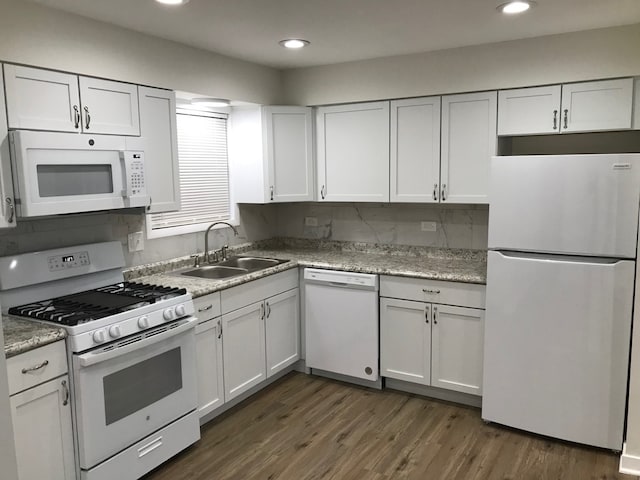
x=97, y=356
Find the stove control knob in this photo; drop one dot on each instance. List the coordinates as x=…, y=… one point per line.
x=180, y=310
x=114, y=331
x=168, y=314
x=143, y=322
x=99, y=336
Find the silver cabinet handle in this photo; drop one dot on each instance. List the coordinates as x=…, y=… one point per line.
x=87, y=118
x=322, y=192
x=566, y=119
x=65, y=389
x=428, y=290
x=219, y=328
x=12, y=209
x=435, y=192
x=435, y=315
x=76, y=117
x=36, y=367
x=426, y=315
x=262, y=311
x=150, y=202
x=268, y=309
x=204, y=309
x=271, y=189
x=555, y=119
x=444, y=190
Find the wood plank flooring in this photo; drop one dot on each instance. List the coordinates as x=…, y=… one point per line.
x=308, y=428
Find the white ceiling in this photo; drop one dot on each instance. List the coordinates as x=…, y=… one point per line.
x=347, y=30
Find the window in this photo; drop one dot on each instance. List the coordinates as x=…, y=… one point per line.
x=204, y=176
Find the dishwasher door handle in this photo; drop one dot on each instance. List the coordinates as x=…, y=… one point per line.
x=339, y=284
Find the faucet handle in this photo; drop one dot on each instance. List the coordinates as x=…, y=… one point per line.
x=196, y=259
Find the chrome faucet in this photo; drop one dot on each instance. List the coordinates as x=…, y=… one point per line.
x=207, y=258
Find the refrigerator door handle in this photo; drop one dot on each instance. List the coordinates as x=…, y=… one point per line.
x=559, y=257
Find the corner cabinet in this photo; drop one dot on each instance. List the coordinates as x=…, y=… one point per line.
x=41, y=413
x=7, y=207
x=468, y=142
x=572, y=107
x=271, y=154
x=39, y=99
x=158, y=140
x=425, y=340
x=353, y=152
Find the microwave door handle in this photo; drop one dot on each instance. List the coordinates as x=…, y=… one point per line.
x=95, y=357
x=127, y=188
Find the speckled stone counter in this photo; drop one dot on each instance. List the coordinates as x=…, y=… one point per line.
x=466, y=266
x=23, y=335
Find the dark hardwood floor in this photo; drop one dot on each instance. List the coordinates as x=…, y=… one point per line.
x=306, y=428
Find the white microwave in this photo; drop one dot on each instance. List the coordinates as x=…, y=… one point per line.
x=56, y=173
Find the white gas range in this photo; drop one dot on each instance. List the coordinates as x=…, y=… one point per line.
x=131, y=351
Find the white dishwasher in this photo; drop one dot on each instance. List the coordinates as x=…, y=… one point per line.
x=341, y=321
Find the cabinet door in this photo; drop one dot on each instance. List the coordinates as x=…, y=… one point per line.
x=209, y=362
x=468, y=143
x=41, y=99
x=353, y=152
x=288, y=144
x=457, y=344
x=43, y=433
x=604, y=105
x=415, y=150
x=282, y=330
x=7, y=207
x=243, y=347
x=109, y=107
x=405, y=340
x=158, y=140
x=529, y=111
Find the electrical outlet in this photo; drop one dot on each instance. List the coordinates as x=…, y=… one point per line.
x=428, y=226
x=311, y=221
x=135, y=241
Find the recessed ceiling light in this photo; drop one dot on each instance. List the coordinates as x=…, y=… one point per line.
x=294, y=43
x=517, y=6
x=210, y=102
x=172, y=2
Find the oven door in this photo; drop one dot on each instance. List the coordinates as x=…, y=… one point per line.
x=59, y=173
x=133, y=387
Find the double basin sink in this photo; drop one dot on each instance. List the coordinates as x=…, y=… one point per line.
x=232, y=267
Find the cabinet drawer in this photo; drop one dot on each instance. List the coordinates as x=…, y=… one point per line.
x=448, y=293
x=257, y=290
x=207, y=307
x=23, y=369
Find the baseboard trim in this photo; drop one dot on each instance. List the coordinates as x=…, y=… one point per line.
x=434, y=392
x=377, y=384
x=629, y=464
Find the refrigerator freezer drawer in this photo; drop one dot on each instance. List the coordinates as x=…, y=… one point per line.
x=573, y=204
x=557, y=336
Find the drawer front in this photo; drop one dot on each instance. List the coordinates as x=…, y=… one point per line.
x=36, y=366
x=257, y=290
x=207, y=307
x=434, y=291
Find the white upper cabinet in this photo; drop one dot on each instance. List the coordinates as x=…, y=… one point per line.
x=7, y=207
x=572, y=107
x=603, y=105
x=528, y=111
x=415, y=150
x=40, y=99
x=109, y=107
x=159, y=142
x=271, y=154
x=353, y=152
x=468, y=143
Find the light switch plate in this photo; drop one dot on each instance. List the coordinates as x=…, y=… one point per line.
x=135, y=241
x=428, y=226
x=311, y=221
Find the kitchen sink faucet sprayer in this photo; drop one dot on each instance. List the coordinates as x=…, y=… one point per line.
x=207, y=258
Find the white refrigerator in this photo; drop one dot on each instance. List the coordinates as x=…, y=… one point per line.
x=560, y=279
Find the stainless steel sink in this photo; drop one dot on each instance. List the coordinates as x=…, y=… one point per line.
x=215, y=272
x=251, y=263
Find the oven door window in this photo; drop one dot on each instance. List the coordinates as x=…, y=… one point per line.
x=138, y=386
x=55, y=180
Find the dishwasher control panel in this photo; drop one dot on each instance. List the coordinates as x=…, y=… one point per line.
x=340, y=278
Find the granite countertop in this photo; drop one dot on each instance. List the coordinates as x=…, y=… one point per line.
x=23, y=335
x=453, y=265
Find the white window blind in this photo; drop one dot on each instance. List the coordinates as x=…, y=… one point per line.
x=204, y=174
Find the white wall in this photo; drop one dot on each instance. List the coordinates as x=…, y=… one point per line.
x=603, y=53
x=37, y=35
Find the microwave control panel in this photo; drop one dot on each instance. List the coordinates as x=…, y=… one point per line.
x=135, y=187
x=68, y=260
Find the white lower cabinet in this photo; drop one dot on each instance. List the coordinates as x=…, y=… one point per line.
x=209, y=361
x=282, y=330
x=41, y=414
x=430, y=343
